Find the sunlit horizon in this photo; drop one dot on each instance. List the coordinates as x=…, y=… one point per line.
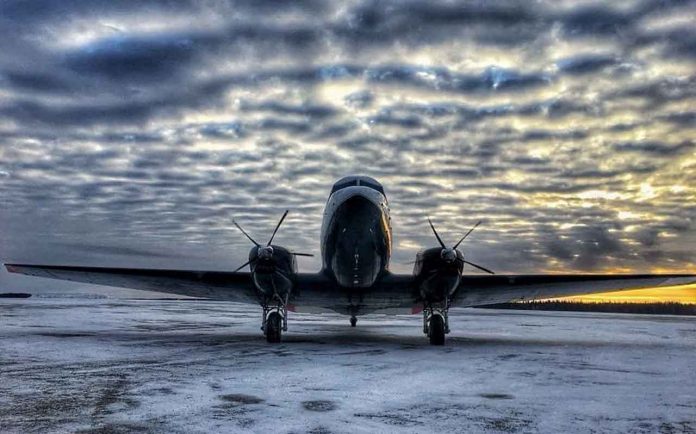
x=681, y=294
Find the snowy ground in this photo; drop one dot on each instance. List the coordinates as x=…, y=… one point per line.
x=194, y=366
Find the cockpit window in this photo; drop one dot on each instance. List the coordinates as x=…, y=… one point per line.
x=356, y=182
x=372, y=186
x=343, y=185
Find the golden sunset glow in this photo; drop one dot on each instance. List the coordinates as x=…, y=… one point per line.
x=679, y=294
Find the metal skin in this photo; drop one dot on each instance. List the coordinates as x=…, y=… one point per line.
x=438, y=274
x=356, y=234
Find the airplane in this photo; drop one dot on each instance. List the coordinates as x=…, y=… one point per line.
x=356, y=246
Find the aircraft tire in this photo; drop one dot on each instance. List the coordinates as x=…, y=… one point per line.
x=437, y=330
x=274, y=327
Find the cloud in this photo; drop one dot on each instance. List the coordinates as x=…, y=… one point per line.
x=130, y=124
x=596, y=20
x=121, y=57
x=656, y=148
x=33, y=81
x=684, y=119
x=101, y=249
x=586, y=247
x=660, y=91
x=584, y=64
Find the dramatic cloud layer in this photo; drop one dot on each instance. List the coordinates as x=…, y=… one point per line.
x=132, y=132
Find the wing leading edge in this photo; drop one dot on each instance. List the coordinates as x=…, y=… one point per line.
x=205, y=284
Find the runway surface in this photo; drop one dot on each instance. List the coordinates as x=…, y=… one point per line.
x=76, y=365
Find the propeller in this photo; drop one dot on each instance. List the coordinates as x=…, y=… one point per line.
x=264, y=252
x=449, y=254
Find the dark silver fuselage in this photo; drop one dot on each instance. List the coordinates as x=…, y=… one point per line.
x=356, y=235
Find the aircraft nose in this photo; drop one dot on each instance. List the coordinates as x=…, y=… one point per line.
x=358, y=204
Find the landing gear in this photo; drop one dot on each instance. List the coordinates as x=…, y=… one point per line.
x=436, y=322
x=436, y=330
x=274, y=327
x=275, y=320
x=353, y=321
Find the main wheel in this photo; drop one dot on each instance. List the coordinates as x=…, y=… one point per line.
x=437, y=330
x=274, y=327
x=353, y=321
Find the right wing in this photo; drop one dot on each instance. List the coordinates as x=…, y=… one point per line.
x=483, y=290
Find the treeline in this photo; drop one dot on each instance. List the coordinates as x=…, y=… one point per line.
x=661, y=308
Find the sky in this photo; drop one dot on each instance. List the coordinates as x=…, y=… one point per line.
x=132, y=133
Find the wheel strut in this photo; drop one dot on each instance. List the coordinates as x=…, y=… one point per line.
x=436, y=321
x=274, y=319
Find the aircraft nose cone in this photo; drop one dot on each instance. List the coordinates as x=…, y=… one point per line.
x=265, y=252
x=449, y=255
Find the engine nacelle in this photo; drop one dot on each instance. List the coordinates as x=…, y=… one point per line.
x=437, y=273
x=273, y=270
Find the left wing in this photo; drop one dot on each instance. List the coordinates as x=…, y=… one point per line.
x=215, y=285
x=313, y=292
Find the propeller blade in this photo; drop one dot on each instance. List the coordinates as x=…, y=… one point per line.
x=247, y=235
x=478, y=266
x=302, y=254
x=439, y=240
x=278, y=227
x=467, y=234
x=245, y=264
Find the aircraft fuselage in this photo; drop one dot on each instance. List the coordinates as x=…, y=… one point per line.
x=356, y=233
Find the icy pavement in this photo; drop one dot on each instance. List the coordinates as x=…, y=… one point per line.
x=197, y=366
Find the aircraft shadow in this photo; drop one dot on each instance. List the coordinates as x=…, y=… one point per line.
x=331, y=337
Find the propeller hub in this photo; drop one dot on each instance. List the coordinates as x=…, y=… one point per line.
x=449, y=255
x=265, y=252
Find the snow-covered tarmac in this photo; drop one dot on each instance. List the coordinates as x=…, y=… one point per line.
x=198, y=366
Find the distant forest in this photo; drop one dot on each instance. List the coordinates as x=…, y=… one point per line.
x=662, y=308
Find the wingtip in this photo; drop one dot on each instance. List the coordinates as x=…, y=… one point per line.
x=679, y=281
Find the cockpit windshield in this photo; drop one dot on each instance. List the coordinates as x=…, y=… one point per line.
x=372, y=185
x=357, y=181
x=341, y=185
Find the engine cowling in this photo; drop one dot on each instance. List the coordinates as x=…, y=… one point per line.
x=439, y=270
x=273, y=270
x=437, y=273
